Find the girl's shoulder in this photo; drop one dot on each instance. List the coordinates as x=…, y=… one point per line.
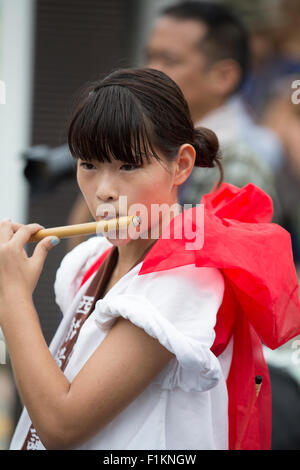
x=178, y=307
x=181, y=284
x=73, y=267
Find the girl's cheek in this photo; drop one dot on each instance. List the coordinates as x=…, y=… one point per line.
x=80, y=181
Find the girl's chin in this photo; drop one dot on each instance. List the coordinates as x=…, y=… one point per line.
x=118, y=241
x=122, y=237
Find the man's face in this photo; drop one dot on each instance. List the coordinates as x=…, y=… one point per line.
x=173, y=48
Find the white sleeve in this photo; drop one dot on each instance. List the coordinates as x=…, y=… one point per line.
x=178, y=307
x=73, y=267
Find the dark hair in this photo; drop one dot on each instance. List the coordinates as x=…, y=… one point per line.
x=130, y=114
x=226, y=36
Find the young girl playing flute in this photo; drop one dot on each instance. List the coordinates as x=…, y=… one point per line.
x=160, y=340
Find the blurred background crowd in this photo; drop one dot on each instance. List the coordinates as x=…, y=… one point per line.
x=238, y=64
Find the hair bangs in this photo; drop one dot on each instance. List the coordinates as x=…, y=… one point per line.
x=111, y=125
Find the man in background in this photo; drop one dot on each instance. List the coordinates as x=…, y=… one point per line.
x=204, y=48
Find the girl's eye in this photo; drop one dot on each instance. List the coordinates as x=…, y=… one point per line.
x=128, y=167
x=87, y=166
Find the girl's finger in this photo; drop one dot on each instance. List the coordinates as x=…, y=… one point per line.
x=42, y=249
x=16, y=226
x=23, y=234
x=6, y=231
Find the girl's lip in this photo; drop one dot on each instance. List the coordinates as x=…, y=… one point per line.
x=108, y=217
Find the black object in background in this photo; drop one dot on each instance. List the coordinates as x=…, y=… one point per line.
x=285, y=410
x=45, y=168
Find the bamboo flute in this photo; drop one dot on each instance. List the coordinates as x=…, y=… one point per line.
x=90, y=228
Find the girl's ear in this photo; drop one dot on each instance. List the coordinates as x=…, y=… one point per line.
x=184, y=164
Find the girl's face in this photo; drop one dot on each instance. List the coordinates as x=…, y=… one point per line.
x=118, y=189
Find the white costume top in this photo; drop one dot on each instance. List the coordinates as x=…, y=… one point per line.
x=186, y=405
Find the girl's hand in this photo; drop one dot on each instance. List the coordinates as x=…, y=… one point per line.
x=19, y=273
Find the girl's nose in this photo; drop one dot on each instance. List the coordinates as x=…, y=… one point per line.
x=106, y=189
x=106, y=196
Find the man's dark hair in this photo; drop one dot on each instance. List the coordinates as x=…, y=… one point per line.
x=226, y=37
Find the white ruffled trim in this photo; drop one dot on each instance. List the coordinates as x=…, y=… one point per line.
x=196, y=368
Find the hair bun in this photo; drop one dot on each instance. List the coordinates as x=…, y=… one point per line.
x=208, y=154
x=207, y=147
